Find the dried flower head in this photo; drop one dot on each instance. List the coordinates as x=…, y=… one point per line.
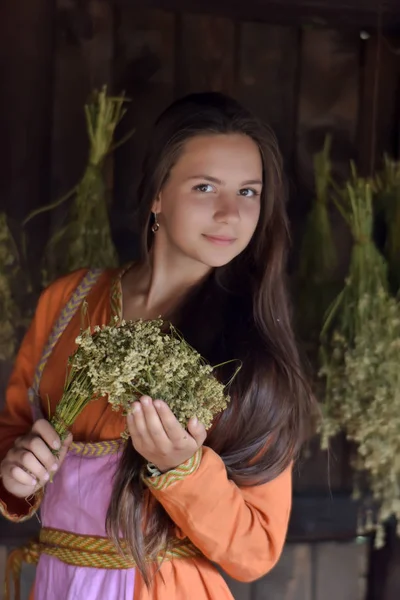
x=135, y=358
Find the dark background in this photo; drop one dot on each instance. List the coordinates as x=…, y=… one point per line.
x=306, y=67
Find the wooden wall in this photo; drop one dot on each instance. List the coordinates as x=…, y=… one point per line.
x=304, y=81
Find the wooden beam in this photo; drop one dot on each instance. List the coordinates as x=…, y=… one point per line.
x=378, y=115
x=343, y=14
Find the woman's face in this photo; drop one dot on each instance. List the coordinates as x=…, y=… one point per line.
x=209, y=207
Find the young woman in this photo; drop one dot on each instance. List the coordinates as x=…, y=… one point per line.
x=212, y=212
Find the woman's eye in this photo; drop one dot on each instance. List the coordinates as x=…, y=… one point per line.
x=206, y=188
x=248, y=192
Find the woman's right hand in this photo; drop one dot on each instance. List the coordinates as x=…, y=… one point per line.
x=30, y=463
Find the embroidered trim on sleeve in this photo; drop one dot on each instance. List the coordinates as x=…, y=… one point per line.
x=163, y=481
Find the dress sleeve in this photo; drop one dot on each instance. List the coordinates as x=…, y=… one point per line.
x=16, y=417
x=243, y=530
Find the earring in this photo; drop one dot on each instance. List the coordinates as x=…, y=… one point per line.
x=156, y=225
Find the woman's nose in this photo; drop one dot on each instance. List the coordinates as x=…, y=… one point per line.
x=227, y=210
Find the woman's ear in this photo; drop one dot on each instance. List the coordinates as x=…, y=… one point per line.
x=156, y=206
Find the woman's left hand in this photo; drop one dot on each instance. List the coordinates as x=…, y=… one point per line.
x=159, y=437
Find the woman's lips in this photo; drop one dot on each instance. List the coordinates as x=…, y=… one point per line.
x=220, y=240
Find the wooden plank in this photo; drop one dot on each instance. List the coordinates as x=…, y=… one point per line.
x=83, y=62
x=341, y=570
x=240, y=591
x=378, y=122
x=144, y=68
x=3, y=558
x=27, y=580
x=327, y=516
x=384, y=567
x=328, y=103
x=332, y=58
x=205, y=54
x=291, y=579
x=386, y=572
x=329, y=470
x=267, y=78
x=25, y=115
x=312, y=572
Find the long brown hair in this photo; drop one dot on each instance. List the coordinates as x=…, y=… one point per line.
x=241, y=311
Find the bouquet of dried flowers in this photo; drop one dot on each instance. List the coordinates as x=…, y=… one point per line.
x=360, y=363
x=135, y=358
x=86, y=240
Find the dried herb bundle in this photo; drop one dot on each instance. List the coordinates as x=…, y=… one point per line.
x=135, y=358
x=85, y=241
x=368, y=270
x=318, y=255
x=360, y=363
x=318, y=252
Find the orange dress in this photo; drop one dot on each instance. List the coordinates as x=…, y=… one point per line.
x=240, y=529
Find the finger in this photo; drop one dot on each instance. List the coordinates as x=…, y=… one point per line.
x=136, y=422
x=23, y=477
x=28, y=462
x=64, y=450
x=174, y=430
x=40, y=450
x=19, y=475
x=197, y=431
x=153, y=423
x=47, y=432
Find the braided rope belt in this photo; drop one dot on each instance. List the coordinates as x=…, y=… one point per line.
x=80, y=551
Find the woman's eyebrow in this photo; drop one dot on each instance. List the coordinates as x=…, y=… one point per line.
x=219, y=181
x=252, y=182
x=207, y=178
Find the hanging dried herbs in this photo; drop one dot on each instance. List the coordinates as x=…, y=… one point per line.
x=360, y=355
x=318, y=253
x=85, y=240
x=367, y=270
